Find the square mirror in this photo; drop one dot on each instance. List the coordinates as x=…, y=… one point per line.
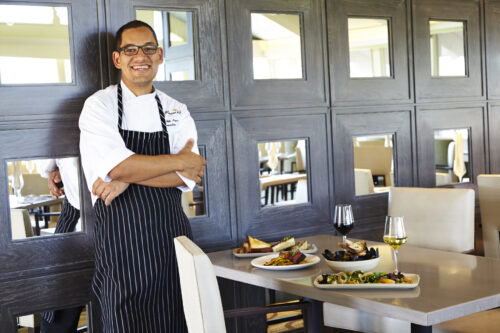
x=369, y=54
x=74, y=318
x=447, y=48
x=44, y=197
x=283, y=173
x=34, y=45
x=174, y=30
x=451, y=156
x=373, y=163
x=276, y=45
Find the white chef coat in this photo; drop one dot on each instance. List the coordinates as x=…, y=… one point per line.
x=101, y=145
x=68, y=168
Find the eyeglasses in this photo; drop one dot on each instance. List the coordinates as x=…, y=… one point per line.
x=131, y=50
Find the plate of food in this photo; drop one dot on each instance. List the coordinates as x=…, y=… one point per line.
x=285, y=261
x=254, y=247
x=354, y=256
x=368, y=280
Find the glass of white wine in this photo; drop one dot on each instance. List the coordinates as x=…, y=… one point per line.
x=395, y=235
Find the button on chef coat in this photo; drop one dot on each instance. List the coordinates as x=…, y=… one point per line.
x=101, y=145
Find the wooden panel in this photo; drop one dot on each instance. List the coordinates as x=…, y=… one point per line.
x=394, y=89
x=215, y=229
x=61, y=100
x=247, y=92
x=275, y=222
x=459, y=88
x=206, y=93
x=37, y=253
x=431, y=118
x=347, y=125
x=494, y=137
x=492, y=23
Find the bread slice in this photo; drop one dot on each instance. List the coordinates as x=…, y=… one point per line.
x=258, y=246
x=284, y=245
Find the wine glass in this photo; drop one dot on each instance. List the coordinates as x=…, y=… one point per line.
x=17, y=180
x=395, y=235
x=343, y=221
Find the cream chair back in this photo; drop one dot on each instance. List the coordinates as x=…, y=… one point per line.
x=363, y=182
x=20, y=224
x=200, y=291
x=435, y=218
x=489, y=205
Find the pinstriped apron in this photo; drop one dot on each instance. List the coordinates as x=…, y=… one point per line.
x=136, y=279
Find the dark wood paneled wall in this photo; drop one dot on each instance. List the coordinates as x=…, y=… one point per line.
x=233, y=112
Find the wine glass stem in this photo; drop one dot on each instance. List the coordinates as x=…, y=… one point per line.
x=343, y=239
x=396, y=261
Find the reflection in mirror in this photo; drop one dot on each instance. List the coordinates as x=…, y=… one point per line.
x=34, y=45
x=44, y=197
x=174, y=30
x=451, y=156
x=283, y=172
x=447, y=48
x=193, y=202
x=74, y=319
x=369, y=47
x=373, y=164
x=276, y=46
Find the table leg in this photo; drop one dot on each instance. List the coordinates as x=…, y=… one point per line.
x=415, y=328
x=314, y=324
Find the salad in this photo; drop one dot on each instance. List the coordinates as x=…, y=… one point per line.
x=359, y=277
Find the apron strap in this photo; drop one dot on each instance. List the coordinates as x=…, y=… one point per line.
x=120, y=106
x=162, y=115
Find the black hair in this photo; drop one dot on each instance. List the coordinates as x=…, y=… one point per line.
x=131, y=25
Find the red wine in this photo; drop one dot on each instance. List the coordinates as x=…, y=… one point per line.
x=344, y=228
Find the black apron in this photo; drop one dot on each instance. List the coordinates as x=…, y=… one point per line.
x=136, y=278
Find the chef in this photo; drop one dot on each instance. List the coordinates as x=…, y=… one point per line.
x=139, y=152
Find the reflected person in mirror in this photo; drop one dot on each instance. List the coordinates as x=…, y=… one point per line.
x=62, y=176
x=139, y=152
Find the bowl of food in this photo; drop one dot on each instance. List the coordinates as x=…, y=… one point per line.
x=355, y=257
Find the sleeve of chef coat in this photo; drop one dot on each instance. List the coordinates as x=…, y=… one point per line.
x=101, y=145
x=45, y=167
x=183, y=131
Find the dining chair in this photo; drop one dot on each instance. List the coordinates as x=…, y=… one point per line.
x=363, y=182
x=20, y=224
x=434, y=218
x=201, y=298
x=489, y=204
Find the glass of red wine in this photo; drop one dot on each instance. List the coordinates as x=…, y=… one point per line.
x=343, y=221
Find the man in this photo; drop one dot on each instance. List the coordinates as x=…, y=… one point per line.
x=139, y=151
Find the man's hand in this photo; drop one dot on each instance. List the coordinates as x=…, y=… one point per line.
x=54, y=179
x=108, y=191
x=193, y=164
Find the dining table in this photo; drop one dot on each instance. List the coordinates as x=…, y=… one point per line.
x=451, y=285
x=39, y=205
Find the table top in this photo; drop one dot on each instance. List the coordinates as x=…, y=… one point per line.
x=281, y=178
x=30, y=202
x=452, y=284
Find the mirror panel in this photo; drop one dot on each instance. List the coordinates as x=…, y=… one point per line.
x=34, y=45
x=451, y=156
x=193, y=202
x=276, y=44
x=369, y=54
x=447, y=48
x=33, y=210
x=283, y=172
x=174, y=30
x=373, y=163
x=77, y=316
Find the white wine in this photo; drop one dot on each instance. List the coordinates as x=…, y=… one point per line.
x=395, y=242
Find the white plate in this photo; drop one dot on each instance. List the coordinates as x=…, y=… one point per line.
x=260, y=261
x=313, y=249
x=414, y=279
